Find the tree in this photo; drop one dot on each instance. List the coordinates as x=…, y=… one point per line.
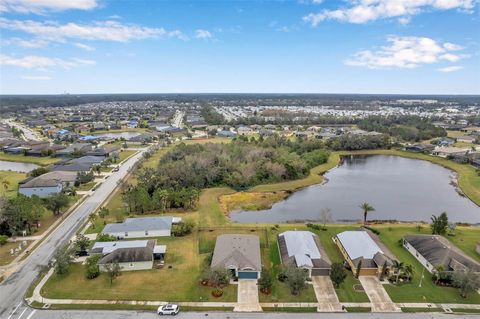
x=366, y=207
x=184, y=227
x=325, y=216
x=467, y=281
x=337, y=274
x=20, y=213
x=295, y=279
x=57, y=202
x=6, y=185
x=91, y=267
x=439, y=224
x=359, y=268
x=399, y=268
x=82, y=242
x=103, y=212
x=38, y=171
x=265, y=281
x=92, y=218
x=3, y=240
x=113, y=270
x=218, y=277
x=105, y=237
x=63, y=258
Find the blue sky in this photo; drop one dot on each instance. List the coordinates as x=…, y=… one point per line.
x=304, y=46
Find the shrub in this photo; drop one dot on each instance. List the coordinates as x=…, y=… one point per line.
x=106, y=237
x=183, y=228
x=337, y=274
x=265, y=281
x=3, y=240
x=91, y=269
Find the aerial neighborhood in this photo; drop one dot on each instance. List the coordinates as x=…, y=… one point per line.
x=218, y=203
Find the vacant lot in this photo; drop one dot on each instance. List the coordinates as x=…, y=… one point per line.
x=5, y=256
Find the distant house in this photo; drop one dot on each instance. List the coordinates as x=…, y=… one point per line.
x=302, y=249
x=99, y=126
x=226, y=134
x=143, y=227
x=445, y=141
x=434, y=251
x=244, y=130
x=47, y=184
x=364, y=247
x=79, y=147
x=449, y=151
x=142, y=138
x=420, y=148
x=466, y=139
x=130, y=255
x=105, y=151
x=238, y=253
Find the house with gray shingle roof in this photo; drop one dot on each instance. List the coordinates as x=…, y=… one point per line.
x=238, y=253
x=142, y=227
x=302, y=249
x=434, y=251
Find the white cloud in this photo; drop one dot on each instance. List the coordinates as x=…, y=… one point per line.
x=363, y=11
x=36, y=77
x=41, y=62
x=30, y=43
x=103, y=30
x=40, y=6
x=405, y=52
x=84, y=46
x=452, y=68
x=203, y=34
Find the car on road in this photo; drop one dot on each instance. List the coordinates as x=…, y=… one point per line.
x=169, y=309
x=116, y=169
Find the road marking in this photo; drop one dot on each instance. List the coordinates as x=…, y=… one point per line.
x=13, y=312
x=31, y=314
x=22, y=313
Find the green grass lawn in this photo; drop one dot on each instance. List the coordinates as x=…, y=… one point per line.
x=429, y=292
x=86, y=187
x=125, y=154
x=43, y=161
x=12, y=178
x=5, y=256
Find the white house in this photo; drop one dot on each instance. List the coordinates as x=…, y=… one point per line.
x=47, y=184
x=143, y=227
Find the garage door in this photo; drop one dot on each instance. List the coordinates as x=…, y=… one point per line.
x=320, y=272
x=247, y=275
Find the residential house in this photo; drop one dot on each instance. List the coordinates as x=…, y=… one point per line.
x=238, y=253
x=450, y=151
x=226, y=134
x=81, y=164
x=130, y=255
x=363, y=247
x=434, y=251
x=143, y=227
x=47, y=184
x=75, y=147
x=420, y=148
x=244, y=130
x=99, y=126
x=466, y=139
x=302, y=249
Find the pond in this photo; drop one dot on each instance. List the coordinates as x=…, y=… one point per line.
x=125, y=135
x=17, y=166
x=398, y=188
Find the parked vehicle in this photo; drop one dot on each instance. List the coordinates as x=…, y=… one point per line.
x=116, y=169
x=169, y=309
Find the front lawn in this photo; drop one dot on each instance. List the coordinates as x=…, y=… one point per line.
x=124, y=154
x=12, y=179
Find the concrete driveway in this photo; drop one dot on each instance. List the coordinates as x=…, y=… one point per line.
x=247, y=299
x=379, y=298
x=326, y=295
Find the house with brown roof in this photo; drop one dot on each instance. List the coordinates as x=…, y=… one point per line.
x=238, y=253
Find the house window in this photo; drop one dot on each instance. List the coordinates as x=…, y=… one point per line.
x=131, y=265
x=146, y=233
x=126, y=234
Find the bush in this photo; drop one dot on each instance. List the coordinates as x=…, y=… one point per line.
x=218, y=277
x=91, y=269
x=3, y=240
x=265, y=281
x=373, y=230
x=183, y=228
x=106, y=237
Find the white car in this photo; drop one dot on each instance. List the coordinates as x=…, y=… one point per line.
x=169, y=309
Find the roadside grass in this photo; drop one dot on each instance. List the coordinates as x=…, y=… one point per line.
x=428, y=292
x=86, y=187
x=209, y=210
x=13, y=179
x=98, y=307
x=250, y=200
x=124, y=154
x=5, y=256
x=465, y=310
x=414, y=310
x=48, y=218
x=178, y=280
x=290, y=309
x=42, y=161
x=358, y=309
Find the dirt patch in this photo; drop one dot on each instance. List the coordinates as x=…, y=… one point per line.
x=250, y=200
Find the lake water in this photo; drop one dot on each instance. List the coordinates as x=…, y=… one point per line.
x=398, y=188
x=17, y=166
x=125, y=135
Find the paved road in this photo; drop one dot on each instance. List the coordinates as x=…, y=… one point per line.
x=178, y=119
x=13, y=289
x=28, y=134
x=100, y=314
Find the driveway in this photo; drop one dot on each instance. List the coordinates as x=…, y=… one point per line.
x=326, y=295
x=379, y=298
x=247, y=300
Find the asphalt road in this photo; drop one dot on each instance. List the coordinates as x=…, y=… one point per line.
x=99, y=314
x=27, y=132
x=13, y=289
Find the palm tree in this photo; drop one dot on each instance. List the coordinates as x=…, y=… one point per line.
x=366, y=207
x=399, y=268
x=409, y=271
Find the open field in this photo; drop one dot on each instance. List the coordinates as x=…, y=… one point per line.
x=250, y=200
x=42, y=161
x=12, y=180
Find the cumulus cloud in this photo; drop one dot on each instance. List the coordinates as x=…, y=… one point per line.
x=452, y=68
x=109, y=30
x=41, y=6
x=36, y=77
x=406, y=52
x=203, y=34
x=363, y=11
x=29, y=43
x=84, y=46
x=42, y=62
